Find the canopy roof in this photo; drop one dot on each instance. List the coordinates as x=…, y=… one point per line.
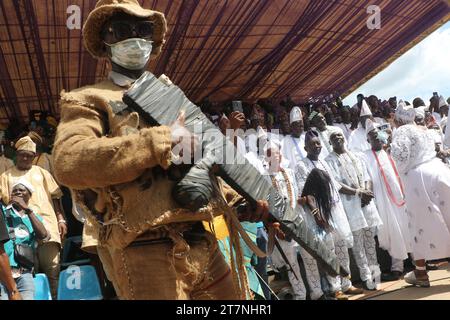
x=235, y=49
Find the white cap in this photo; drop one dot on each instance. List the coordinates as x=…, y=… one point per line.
x=365, y=110
x=296, y=115
x=442, y=101
x=420, y=111
x=404, y=113
x=262, y=134
x=371, y=125
x=25, y=183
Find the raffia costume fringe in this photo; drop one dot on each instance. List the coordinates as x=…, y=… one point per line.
x=236, y=232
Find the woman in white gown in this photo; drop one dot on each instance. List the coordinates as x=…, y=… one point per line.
x=427, y=195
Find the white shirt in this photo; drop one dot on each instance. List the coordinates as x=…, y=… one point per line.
x=293, y=150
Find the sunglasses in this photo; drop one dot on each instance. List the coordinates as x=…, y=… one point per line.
x=125, y=30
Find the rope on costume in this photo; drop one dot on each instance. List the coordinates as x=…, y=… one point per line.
x=238, y=271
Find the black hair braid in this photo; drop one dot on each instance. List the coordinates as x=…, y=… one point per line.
x=318, y=185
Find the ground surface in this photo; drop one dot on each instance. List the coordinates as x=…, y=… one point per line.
x=400, y=290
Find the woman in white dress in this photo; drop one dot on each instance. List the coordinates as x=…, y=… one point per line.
x=427, y=194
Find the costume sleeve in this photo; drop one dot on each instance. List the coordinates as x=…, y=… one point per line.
x=84, y=157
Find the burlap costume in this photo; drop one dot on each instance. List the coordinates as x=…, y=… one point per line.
x=109, y=163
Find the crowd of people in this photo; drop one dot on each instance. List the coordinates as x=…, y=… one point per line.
x=366, y=177
x=367, y=168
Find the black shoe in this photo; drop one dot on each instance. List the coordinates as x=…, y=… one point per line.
x=391, y=276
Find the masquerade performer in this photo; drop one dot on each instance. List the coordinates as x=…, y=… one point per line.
x=117, y=167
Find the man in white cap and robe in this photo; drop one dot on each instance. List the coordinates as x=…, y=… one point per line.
x=393, y=234
x=45, y=200
x=357, y=142
x=357, y=198
x=293, y=145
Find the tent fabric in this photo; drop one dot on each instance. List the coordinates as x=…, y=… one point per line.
x=221, y=49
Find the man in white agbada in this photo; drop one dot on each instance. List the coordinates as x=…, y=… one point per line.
x=341, y=237
x=393, y=234
x=357, y=143
x=427, y=194
x=357, y=198
x=293, y=145
x=324, y=131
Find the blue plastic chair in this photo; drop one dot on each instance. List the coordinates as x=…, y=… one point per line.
x=42, y=287
x=72, y=253
x=79, y=283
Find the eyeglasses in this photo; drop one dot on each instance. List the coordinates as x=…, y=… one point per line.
x=123, y=30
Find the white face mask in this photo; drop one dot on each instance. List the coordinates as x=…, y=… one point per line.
x=131, y=54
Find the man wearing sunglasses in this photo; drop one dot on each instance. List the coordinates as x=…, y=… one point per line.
x=117, y=165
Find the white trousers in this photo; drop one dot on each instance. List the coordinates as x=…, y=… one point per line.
x=337, y=246
x=364, y=252
x=296, y=281
x=312, y=274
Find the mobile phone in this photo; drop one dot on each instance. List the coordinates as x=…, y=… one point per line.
x=237, y=106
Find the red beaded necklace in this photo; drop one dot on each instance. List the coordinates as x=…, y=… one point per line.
x=388, y=187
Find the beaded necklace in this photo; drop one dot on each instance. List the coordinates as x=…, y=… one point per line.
x=359, y=182
x=388, y=187
x=288, y=186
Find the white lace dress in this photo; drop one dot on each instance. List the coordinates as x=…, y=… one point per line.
x=427, y=191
